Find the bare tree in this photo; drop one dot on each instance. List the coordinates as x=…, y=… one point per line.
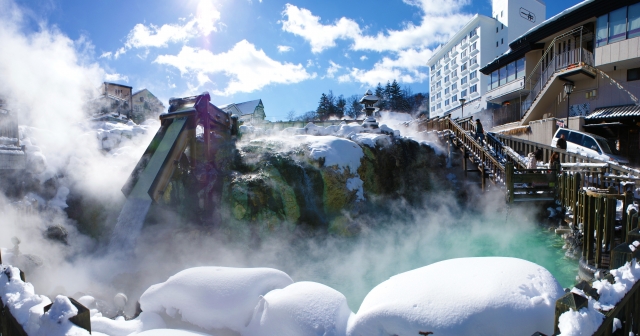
x=291, y=115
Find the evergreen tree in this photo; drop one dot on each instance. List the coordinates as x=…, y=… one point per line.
x=324, y=106
x=331, y=107
x=353, y=106
x=380, y=93
x=341, y=103
x=395, y=96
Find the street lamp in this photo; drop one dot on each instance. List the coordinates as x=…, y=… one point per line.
x=462, y=100
x=568, y=88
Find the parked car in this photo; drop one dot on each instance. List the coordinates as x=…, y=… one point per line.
x=588, y=144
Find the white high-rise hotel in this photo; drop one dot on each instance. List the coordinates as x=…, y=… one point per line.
x=454, y=66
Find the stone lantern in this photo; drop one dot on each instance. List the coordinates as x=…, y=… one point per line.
x=368, y=100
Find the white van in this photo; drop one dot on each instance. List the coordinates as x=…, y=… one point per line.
x=588, y=144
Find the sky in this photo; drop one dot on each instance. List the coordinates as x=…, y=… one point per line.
x=286, y=53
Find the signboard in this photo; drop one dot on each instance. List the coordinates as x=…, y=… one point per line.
x=527, y=15
x=560, y=123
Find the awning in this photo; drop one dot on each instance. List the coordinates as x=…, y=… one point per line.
x=611, y=124
x=615, y=112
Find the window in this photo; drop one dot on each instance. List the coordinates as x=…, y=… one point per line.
x=495, y=79
x=473, y=60
x=438, y=96
x=634, y=21
x=633, y=74
x=454, y=86
x=438, y=85
x=433, y=109
x=463, y=81
x=588, y=142
x=433, y=67
x=473, y=88
x=474, y=46
x=463, y=67
x=446, y=91
x=473, y=33
x=601, y=31
x=520, y=68
x=501, y=13
x=438, y=73
x=496, y=29
x=617, y=25
x=433, y=98
x=511, y=71
x=502, y=26
x=503, y=76
x=454, y=73
x=454, y=98
x=141, y=99
x=496, y=44
x=446, y=78
x=473, y=75
x=501, y=41
x=439, y=106
x=463, y=93
x=446, y=102
x=463, y=54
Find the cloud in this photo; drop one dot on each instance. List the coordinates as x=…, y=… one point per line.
x=152, y=36
x=331, y=71
x=115, y=77
x=247, y=68
x=302, y=22
x=405, y=68
x=440, y=20
x=284, y=49
x=106, y=55
x=363, y=57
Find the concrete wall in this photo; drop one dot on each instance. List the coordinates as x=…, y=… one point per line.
x=542, y=131
x=618, y=51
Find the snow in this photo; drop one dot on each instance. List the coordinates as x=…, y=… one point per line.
x=213, y=297
x=28, y=308
x=339, y=152
x=467, y=296
x=588, y=320
x=371, y=139
x=171, y=332
x=355, y=183
x=146, y=321
x=301, y=309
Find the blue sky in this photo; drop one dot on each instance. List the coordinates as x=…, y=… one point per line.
x=286, y=53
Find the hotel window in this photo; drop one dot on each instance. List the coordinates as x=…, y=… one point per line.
x=439, y=95
x=503, y=75
x=463, y=67
x=520, y=68
x=446, y=102
x=463, y=54
x=473, y=32
x=446, y=78
x=474, y=60
x=617, y=25
x=493, y=80
x=433, y=67
x=433, y=98
x=446, y=67
x=473, y=75
x=438, y=73
x=496, y=44
x=474, y=46
x=634, y=20
x=620, y=24
x=501, y=41
x=454, y=86
x=511, y=71
x=463, y=93
x=633, y=74
x=439, y=105
x=473, y=88
x=463, y=81
x=454, y=73
x=454, y=98
x=446, y=91
x=496, y=29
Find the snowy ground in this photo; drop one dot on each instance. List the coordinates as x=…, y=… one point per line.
x=507, y=296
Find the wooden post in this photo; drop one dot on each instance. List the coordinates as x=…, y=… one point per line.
x=464, y=160
x=482, y=174
x=509, y=180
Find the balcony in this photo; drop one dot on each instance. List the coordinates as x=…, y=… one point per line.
x=474, y=52
x=438, y=65
x=454, y=78
x=446, y=57
x=464, y=57
x=473, y=38
x=454, y=52
x=465, y=72
x=473, y=80
x=474, y=94
x=473, y=66
x=447, y=70
x=464, y=43
x=454, y=90
x=447, y=94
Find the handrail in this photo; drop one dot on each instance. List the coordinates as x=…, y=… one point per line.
x=551, y=46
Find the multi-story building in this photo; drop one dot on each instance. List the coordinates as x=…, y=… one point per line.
x=454, y=66
x=591, y=51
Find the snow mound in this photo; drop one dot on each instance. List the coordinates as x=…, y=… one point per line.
x=213, y=297
x=467, y=296
x=301, y=309
x=55, y=322
x=145, y=321
x=170, y=332
x=336, y=151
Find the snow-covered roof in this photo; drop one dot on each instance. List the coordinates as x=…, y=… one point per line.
x=242, y=109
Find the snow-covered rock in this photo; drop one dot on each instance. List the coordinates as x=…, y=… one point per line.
x=467, y=296
x=213, y=297
x=301, y=309
x=145, y=321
